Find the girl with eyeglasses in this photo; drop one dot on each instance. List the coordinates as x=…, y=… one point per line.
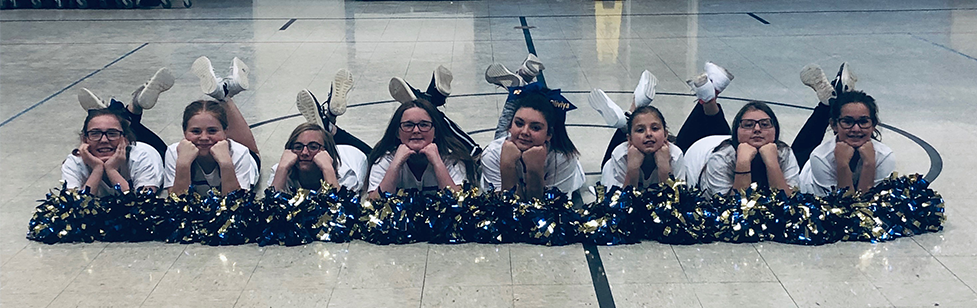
x=536, y=154
x=754, y=152
x=418, y=151
x=116, y=149
x=315, y=153
x=218, y=150
x=855, y=159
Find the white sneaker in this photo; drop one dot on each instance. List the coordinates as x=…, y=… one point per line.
x=237, y=81
x=442, y=80
x=703, y=88
x=719, y=75
x=401, y=91
x=210, y=84
x=498, y=75
x=309, y=107
x=612, y=114
x=530, y=68
x=813, y=76
x=845, y=80
x=644, y=93
x=89, y=100
x=147, y=95
x=339, y=90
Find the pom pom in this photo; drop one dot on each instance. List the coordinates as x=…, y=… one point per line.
x=743, y=216
x=608, y=220
x=679, y=214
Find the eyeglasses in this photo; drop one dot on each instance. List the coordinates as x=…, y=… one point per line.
x=312, y=146
x=749, y=123
x=423, y=126
x=849, y=122
x=96, y=135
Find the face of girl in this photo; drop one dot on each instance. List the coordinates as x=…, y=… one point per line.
x=647, y=133
x=311, y=144
x=529, y=128
x=760, y=133
x=416, y=128
x=110, y=132
x=203, y=130
x=854, y=125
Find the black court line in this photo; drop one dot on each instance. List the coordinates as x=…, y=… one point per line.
x=531, y=46
x=285, y=26
x=944, y=47
x=764, y=21
x=498, y=16
x=72, y=85
x=601, y=287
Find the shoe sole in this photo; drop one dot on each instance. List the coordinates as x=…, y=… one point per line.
x=205, y=72
x=307, y=106
x=813, y=76
x=698, y=86
x=90, y=101
x=341, y=85
x=163, y=80
x=242, y=70
x=400, y=90
x=611, y=113
x=652, y=83
x=498, y=75
x=442, y=80
x=533, y=64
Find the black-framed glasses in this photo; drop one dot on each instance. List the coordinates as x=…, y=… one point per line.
x=749, y=123
x=849, y=122
x=423, y=126
x=312, y=146
x=96, y=135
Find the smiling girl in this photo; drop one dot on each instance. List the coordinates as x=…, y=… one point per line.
x=855, y=159
x=210, y=151
x=417, y=151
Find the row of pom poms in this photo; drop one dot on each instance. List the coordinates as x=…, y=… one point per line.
x=669, y=213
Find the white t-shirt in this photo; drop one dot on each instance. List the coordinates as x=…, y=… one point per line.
x=696, y=156
x=144, y=168
x=616, y=168
x=820, y=173
x=351, y=170
x=563, y=172
x=428, y=182
x=717, y=178
x=245, y=168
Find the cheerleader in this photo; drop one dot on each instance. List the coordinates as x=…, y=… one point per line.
x=855, y=159
x=217, y=141
x=537, y=153
x=641, y=152
x=116, y=149
x=418, y=151
x=313, y=153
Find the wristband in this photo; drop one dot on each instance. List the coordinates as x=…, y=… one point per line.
x=744, y=172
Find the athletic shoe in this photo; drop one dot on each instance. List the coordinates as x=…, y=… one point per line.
x=210, y=84
x=237, y=81
x=339, y=92
x=401, y=91
x=644, y=93
x=498, y=75
x=719, y=75
x=612, y=114
x=146, y=96
x=530, y=68
x=703, y=88
x=813, y=76
x=90, y=101
x=441, y=81
x=310, y=108
x=845, y=80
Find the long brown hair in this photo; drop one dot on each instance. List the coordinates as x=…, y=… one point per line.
x=448, y=144
x=328, y=144
x=126, y=128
